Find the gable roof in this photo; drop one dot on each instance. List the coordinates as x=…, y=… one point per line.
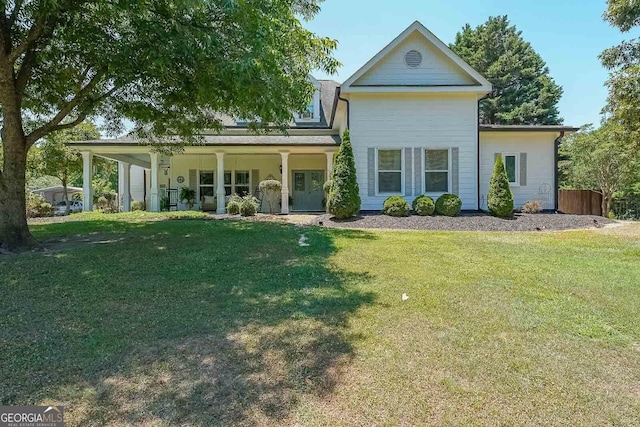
x=482, y=86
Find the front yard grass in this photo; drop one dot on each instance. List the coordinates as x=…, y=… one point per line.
x=128, y=321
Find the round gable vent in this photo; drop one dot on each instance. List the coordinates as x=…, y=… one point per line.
x=413, y=59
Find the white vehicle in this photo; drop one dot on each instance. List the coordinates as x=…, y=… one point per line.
x=74, y=207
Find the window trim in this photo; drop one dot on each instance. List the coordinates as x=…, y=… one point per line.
x=504, y=162
x=212, y=171
x=233, y=180
x=315, y=101
x=424, y=171
x=402, y=171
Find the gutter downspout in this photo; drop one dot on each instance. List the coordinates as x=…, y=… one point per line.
x=348, y=108
x=478, y=150
x=556, y=172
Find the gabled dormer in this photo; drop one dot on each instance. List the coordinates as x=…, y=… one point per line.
x=312, y=113
x=416, y=61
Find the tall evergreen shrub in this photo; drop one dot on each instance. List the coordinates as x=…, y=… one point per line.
x=344, y=197
x=500, y=199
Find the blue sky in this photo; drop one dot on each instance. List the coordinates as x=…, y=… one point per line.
x=568, y=34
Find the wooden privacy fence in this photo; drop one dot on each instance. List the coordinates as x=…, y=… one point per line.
x=580, y=202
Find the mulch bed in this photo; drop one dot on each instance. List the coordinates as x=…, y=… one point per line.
x=469, y=222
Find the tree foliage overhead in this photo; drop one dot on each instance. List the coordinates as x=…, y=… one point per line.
x=523, y=90
x=168, y=66
x=165, y=65
x=623, y=61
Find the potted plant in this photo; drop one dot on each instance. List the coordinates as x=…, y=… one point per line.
x=188, y=196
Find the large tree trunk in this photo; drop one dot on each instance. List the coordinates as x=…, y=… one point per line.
x=14, y=232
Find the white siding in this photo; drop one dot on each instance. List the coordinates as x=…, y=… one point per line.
x=540, y=164
x=415, y=120
x=436, y=68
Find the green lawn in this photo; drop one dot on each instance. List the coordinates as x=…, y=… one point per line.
x=191, y=322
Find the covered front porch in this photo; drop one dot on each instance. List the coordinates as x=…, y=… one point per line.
x=215, y=173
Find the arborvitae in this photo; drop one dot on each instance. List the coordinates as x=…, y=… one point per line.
x=344, y=198
x=500, y=200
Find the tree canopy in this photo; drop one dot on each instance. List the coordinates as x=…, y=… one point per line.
x=168, y=66
x=623, y=61
x=597, y=160
x=523, y=90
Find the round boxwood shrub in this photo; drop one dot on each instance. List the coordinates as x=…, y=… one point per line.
x=233, y=207
x=424, y=205
x=395, y=206
x=448, y=205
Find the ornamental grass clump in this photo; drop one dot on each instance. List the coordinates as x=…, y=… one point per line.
x=233, y=207
x=500, y=199
x=249, y=206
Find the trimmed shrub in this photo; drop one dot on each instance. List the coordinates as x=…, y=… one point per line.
x=233, y=207
x=107, y=202
x=423, y=205
x=102, y=203
x=327, y=186
x=271, y=190
x=137, y=206
x=448, y=205
x=344, y=197
x=395, y=206
x=531, y=207
x=37, y=206
x=500, y=198
x=249, y=206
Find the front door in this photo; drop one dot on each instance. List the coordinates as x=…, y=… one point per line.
x=307, y=190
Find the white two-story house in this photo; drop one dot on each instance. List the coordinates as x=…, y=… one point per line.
x=412, y=112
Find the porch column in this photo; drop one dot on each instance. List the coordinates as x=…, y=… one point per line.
x=126, y=187
x=285, y=183
x=329, y=166
x=87, y=174
x=154, y=195
x=221, y=207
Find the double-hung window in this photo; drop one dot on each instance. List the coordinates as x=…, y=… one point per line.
x=241, y=183
x=512, y=167
x=389, y=171
x=206, y=182
x=236, y=182
x=436, y=171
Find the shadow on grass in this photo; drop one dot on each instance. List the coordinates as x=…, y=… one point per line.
x=194, y=322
